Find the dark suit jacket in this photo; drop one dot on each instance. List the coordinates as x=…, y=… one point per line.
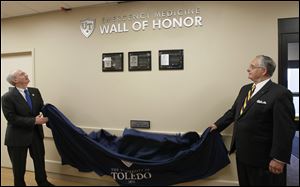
x=20, y=119
x=266, y=128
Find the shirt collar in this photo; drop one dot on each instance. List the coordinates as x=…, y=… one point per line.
x=262, y=83
x=22, y=89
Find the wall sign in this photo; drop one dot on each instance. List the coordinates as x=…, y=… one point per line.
x=166, y=19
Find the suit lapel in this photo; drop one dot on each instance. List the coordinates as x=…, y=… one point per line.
x=260, y=93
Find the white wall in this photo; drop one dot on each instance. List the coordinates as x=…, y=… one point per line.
x=216, y=56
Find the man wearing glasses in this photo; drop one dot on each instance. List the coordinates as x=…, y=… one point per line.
x=263, y=116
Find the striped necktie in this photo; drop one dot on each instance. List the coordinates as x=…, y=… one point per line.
x=28, y=99
x=248, y=97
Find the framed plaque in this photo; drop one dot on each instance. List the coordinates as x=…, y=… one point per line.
x=171, y=59
x=112, y=62
x=139, y=61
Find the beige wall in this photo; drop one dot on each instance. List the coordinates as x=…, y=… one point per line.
x=216, y=55
x=68, y=68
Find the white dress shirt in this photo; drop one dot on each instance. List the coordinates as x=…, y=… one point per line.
x=259, y=86
x=22, y=92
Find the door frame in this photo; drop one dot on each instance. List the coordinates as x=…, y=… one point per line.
x=5, y=161
x=285, y=26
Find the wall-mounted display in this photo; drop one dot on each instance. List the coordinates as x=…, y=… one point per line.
x=171, y=59
x=112, y=62
x=139, y=61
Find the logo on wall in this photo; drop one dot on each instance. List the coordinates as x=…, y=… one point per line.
x=87, y=27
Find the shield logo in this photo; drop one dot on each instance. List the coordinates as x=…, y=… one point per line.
x=87, y=27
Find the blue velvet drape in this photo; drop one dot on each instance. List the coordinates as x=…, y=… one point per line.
x=137, y=157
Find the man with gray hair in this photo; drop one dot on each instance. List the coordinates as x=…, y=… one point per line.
x=263, y=116
x=21, y=107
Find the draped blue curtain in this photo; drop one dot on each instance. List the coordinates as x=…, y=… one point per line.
x=137, y=157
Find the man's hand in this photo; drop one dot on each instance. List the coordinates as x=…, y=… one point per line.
x=40, y=120
x=213, y=127
x=276, y=167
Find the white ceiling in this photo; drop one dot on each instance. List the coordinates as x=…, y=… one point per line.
x=21, y=8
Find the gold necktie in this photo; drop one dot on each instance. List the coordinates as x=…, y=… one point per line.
x=248, y=97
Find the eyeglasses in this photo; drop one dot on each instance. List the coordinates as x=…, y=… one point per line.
x=251, y=67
